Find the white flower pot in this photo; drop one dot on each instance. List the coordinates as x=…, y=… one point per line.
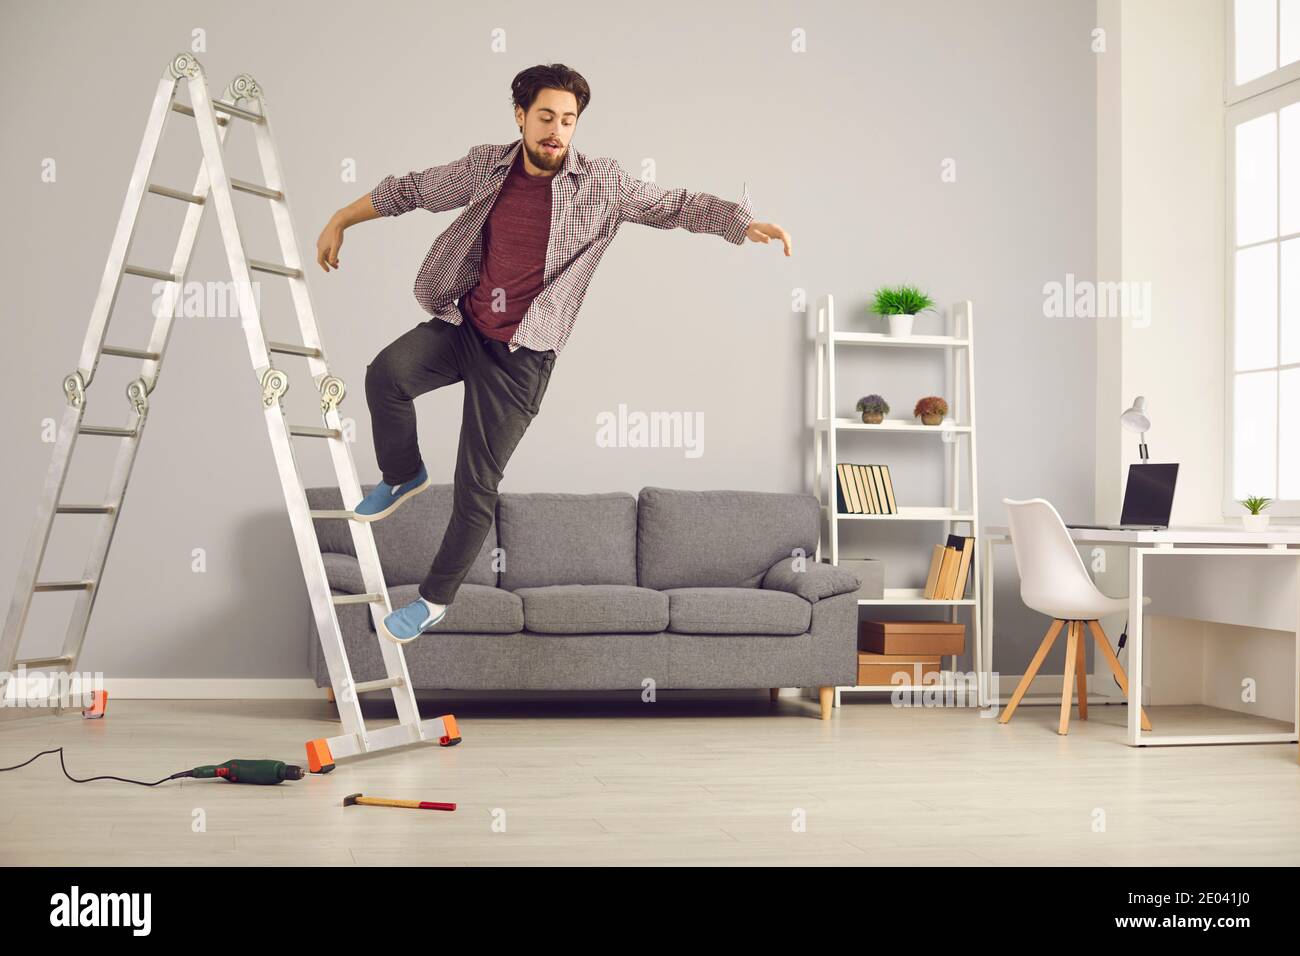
x=1254, y=522
x=900, y=326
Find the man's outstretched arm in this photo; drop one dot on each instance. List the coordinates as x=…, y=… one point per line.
x=436, y=189
x=649, y=204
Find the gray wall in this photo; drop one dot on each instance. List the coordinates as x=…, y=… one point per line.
x=842, y=145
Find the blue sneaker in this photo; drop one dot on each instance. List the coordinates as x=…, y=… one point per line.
x=386, y=498
x=407, y=623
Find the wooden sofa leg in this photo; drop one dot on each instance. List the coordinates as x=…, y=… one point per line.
x=329, y=695
x=826, y=696
x=776, y=692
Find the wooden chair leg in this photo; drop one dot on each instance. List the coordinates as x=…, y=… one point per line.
x=1067, y=681
x=826, y=697
x=1048, y=640
x=1081, y=671
x=1104, y=645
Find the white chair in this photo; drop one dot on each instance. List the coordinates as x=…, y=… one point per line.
x=1053, y=581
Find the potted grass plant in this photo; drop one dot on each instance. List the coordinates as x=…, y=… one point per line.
x=931, y=410
x=900, y=305
x=1255, y=519
x=873, y=409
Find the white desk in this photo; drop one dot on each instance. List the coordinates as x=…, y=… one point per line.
x=1217, y=541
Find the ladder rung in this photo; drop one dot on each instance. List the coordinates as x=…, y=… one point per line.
x=333, y=513
x=44, y=661
x=382, y=684
x=357, y=598
x=255, y=189
x=151, y=273
x=233, y=110
x=85, y=509
x=313, y=431
x=63, y=585
x=182, y=108
x=175, y=194
x=258, y=266
x=288, y=348
x=108, y=430
x=130, y=353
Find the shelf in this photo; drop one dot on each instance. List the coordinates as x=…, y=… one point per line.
x=893, y=425
x=908, y=341
x=957, y=503
x=911, y=597
x=908, y=514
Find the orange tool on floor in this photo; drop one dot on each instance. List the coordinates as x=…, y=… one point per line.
x=98, y=705
x=356, y=798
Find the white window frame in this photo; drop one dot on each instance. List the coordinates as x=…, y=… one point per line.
x=1232, y=93
x=1265, y=94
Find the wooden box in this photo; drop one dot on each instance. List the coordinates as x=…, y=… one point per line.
x=912, y=637
x=879, y=669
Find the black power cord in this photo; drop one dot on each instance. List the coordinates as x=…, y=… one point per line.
x=1119, y=646
x=59, y=751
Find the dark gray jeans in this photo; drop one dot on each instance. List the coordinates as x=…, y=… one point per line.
x=503, y=393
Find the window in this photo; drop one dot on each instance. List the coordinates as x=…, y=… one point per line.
x=1263, y=246
x=1264, y=45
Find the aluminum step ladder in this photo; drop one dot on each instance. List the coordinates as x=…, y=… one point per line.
x=242, y=102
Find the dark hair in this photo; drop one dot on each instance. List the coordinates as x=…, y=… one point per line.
x=554, y=76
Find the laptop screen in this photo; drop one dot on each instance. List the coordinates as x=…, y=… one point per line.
x=1149, y=497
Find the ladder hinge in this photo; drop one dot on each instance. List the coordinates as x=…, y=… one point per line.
x=332, y=391
x=137, y=393
x=274, y=384
x=74, y=389
x=242, y=87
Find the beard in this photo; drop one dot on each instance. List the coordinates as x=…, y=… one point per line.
x=543, y=160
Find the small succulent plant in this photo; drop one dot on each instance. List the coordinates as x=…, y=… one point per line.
x=931, y=406
x=873, y=404
x=1255, y=504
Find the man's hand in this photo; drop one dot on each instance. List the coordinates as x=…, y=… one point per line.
x=766, y=232
x=329, y=244
x=331, y=237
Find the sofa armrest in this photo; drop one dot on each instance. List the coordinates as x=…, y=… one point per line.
x=343, y=571
x=817, y=580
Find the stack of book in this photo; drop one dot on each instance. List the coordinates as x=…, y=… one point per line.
x=865, y=490
x=949, y=569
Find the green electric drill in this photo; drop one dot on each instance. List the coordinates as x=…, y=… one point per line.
x=247, y=771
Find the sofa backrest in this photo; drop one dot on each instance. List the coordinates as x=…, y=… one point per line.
x=407, y=539
x=697, y=539
x=556, y=538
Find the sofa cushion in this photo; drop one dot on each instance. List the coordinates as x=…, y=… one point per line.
x=736, y=611
x=407, y=539
x=553, y=538
x=593, y=608
x=343, y=571
x=725, y=539
x=814, y=580
x=477, y=609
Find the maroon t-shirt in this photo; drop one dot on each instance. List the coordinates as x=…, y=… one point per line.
x=515, y=237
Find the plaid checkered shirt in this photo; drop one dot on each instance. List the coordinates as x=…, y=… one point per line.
x=590, y=198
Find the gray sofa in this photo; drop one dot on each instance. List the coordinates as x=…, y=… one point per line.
x=689, y=589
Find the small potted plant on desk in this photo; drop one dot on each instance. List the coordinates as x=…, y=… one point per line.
x=931, y=410
x=900, y=304
x=1256, y=520
x=873, y=409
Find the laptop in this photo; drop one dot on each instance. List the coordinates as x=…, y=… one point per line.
x=1148, y=499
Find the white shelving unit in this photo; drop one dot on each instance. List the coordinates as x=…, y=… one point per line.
x=957, y=442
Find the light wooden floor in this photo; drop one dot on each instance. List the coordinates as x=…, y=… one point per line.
x=686, y=781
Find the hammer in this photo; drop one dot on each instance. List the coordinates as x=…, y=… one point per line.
x=356, y=798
